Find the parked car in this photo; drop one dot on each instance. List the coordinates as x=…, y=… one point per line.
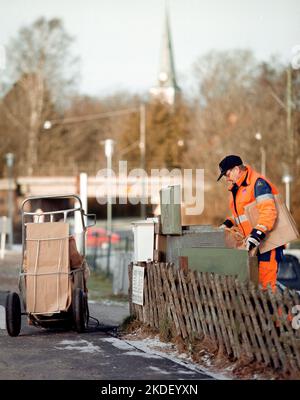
x=289, y=270
x=98, y=237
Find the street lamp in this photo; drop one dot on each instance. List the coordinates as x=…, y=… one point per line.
x=143, y=154
x=258, y=136
x=108, y=150
x=287, y=179
x=10, y=157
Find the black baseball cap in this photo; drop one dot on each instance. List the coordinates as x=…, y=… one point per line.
x=228, y=163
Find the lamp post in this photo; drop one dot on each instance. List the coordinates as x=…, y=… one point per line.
x=108, y=150
x=258, y=136
x=287, y=179
x=10, y=157
x=143, y=154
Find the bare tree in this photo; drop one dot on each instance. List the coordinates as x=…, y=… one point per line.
x=238, y=97
x=40, y=62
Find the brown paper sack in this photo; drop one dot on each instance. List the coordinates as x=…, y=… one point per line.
x=48, y=289
x=284, y=230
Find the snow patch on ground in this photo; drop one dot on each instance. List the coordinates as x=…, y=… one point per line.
x=167, y=350
x=2, y=318
x=114, y=303
x=162, y=371
x=119, y=344
x=83, y=346
x=142, y=354
x=130, y=350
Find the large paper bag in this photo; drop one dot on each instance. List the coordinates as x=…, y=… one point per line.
x=48, y=288
x=284, y=230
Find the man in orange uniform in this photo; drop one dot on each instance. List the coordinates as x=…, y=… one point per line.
x=246, y=186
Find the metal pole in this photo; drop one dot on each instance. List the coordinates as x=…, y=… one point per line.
x=290, y=130
x=289, y=113
x=108, y=149
x=263, y=161
x=10, y=198
x=109, y=213
x=287, y=195
x=143, y=153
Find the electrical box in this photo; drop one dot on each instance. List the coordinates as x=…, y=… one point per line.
x=170, y=204
x=143, y=232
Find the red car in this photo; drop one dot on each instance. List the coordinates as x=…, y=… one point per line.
x=98, y=236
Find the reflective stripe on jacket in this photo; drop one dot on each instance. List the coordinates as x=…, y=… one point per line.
x=253, y=187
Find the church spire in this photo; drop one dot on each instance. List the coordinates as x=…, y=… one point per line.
x=167, y=87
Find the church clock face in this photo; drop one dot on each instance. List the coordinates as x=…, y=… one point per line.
x=163, y=76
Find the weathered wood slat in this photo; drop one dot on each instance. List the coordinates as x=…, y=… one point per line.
x=250, y=329
x=280, y=318
x=232, y=324
x=157, y=293
x=178, y=308
x=182, y=301
x=241, y=319
x=186, y=300
x=167, y=312
x=224, y=320
x=204, y=328
x=204, y=299
x=154, y=297
x=207, y=283
x=194, y=306
x=170, y=300
x=271, y=328
x=219, y=312
x=257, y=330
x=264, y=328
x=242, y=326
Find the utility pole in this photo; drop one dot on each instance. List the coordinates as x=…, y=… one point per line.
x=10, y=199
x=289, y=127
x=143, y=154
x=289, y=113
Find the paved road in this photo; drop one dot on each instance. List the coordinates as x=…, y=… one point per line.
x=63, y=355
x=42, y=354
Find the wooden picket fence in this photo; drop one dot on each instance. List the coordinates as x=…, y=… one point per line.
x=243, y=321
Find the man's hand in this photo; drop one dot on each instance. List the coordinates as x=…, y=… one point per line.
x=254, y=239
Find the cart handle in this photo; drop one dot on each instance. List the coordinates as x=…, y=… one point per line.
x=93, y=223
x=66, y=196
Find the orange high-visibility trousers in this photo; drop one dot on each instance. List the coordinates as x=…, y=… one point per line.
x=267, y=269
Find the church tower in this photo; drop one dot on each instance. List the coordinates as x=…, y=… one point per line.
x=167, y=89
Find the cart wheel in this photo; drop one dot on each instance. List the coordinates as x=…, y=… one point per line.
x=13, y=314
x=79, y=310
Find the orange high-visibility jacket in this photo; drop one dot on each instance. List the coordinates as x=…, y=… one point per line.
x=253, y=187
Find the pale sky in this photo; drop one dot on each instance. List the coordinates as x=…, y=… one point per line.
x=119, y=41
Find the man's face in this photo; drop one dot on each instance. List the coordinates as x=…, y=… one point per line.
x=232, y=175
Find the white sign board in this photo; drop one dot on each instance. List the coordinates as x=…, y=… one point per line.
x=138, y=285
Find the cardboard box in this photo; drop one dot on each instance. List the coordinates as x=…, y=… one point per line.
x=48, y=286
x=284, y=230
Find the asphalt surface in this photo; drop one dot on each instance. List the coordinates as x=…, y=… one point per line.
x=98, y=354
